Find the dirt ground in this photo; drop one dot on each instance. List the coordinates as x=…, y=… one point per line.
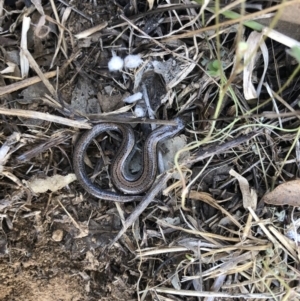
x=35, y=267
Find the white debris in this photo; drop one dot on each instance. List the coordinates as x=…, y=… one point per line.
x=133, y=61
x=139, y=111
x=115, y=64
x=133, y=98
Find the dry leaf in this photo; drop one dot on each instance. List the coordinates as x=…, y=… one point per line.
x=173, y=146
x=250, y=58
x=10, y=69
x=41, y=30
x=285, y=30
x=38, y=6
x=249, y=195
x=24, y=63
x=291, y=14
x=53, y=183
x=5, y=148
x=150, y=2
x=284, y=194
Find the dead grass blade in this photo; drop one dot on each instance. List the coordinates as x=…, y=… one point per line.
x=46, y=117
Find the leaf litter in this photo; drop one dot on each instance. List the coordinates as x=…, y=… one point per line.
x=213, y=227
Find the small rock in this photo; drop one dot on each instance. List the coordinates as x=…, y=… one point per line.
x=57, y=235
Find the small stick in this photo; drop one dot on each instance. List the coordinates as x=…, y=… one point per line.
x=25, y=83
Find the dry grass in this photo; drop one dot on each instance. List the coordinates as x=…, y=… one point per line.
x=211, y=238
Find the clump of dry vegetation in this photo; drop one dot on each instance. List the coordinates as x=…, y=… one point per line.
x=221, y=221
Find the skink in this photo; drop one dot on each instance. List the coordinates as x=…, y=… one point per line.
x=129, y=185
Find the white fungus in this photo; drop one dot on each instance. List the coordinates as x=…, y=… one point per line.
x=132, y=61
x=133, y=98
x=115, y=64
